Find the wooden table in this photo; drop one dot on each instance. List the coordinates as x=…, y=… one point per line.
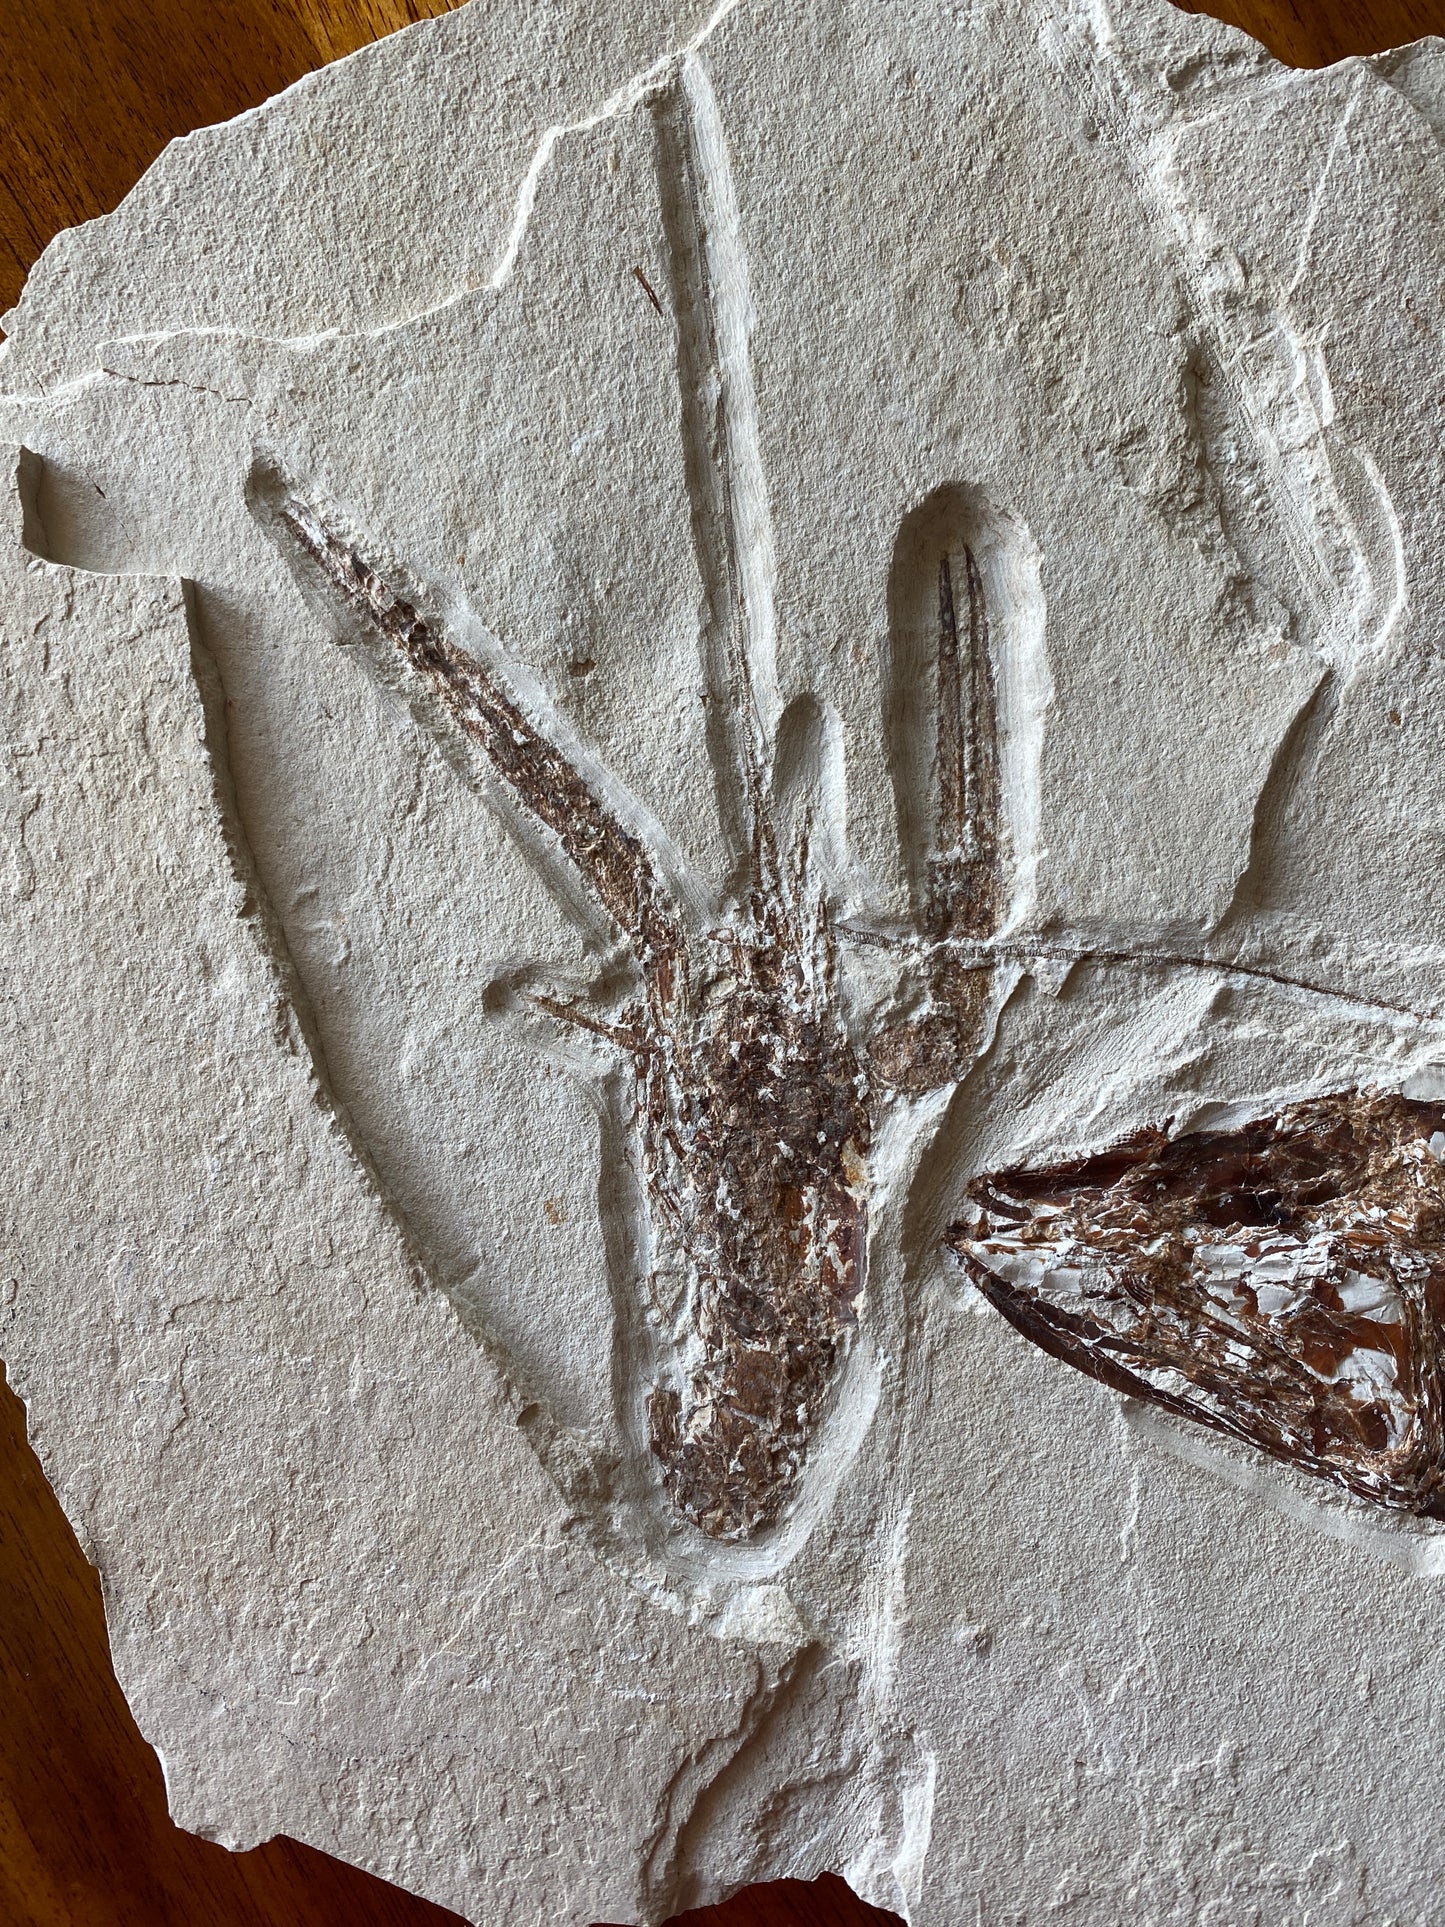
x=90, y=91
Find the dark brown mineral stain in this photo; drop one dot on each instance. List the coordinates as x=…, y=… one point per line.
x=1283, y=1283
x=647, y=288
x=751, y=1112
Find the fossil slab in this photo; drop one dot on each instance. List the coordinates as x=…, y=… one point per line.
x=694, y=697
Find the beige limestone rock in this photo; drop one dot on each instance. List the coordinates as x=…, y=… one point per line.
x=647, y=350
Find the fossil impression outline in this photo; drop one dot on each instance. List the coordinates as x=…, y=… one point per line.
x=755, y=1105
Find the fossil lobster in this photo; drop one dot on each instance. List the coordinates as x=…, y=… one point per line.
x=754, y=1114
x=754, y=1110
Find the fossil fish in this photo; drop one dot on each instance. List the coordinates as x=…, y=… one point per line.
x=1283, y=1283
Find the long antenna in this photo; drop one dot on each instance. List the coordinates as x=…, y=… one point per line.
x=731, y=519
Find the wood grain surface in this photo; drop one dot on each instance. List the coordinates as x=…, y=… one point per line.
x=1312, y=33
x=90, y=91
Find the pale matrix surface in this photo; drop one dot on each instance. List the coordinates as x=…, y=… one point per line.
x=637, y=339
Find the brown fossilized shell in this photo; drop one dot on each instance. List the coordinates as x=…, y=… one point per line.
x=1283, y=1283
